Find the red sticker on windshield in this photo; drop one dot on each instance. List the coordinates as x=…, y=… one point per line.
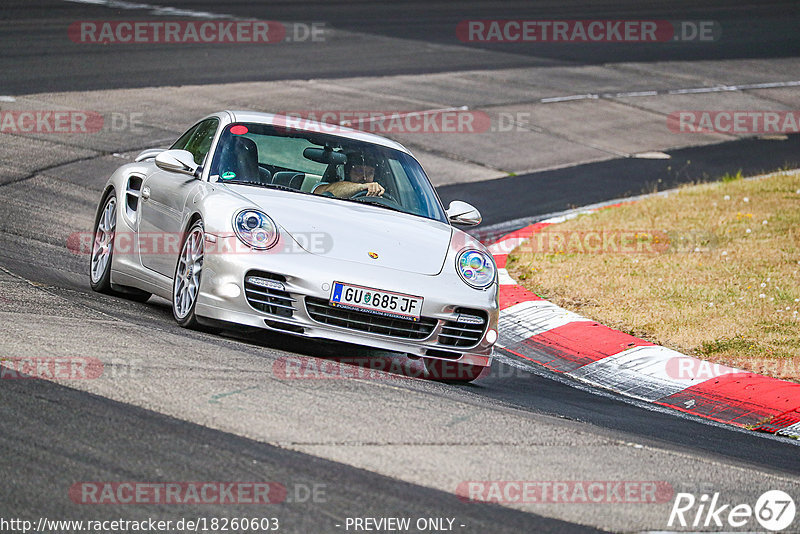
x=239, y=130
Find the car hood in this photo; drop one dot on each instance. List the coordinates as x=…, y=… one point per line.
x=356, y=232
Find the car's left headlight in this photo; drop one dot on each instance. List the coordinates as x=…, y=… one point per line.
x=476, y=268
x=255, y=229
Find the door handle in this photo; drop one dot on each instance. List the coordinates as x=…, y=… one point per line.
x=145, y=193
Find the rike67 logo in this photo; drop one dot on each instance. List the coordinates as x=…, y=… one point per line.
x=774, y=510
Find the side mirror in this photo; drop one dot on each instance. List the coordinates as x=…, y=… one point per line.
x=462, y=213
x=150, y=153
x=180, y=161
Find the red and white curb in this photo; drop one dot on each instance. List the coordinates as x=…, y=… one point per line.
x=538, y=331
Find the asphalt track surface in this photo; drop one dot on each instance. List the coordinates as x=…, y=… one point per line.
x=527, y=196
x=36, y=415
x=53, y=436
x=35, y=51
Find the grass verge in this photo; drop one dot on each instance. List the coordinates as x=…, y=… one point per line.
x=709, y=270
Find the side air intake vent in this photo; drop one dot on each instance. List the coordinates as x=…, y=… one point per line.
x=133, y=192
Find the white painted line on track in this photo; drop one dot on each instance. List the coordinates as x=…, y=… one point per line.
x=164, y=11
x=589, y=96
x=635, y=93
x=682, y=91
x=651, y=155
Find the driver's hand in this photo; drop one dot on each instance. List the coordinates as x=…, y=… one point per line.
x=374, y=189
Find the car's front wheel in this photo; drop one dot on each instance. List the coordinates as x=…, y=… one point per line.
x=453, y=372
x=188, y=271
x=105, y=227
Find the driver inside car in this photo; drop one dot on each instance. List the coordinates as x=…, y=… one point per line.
x=360, y=173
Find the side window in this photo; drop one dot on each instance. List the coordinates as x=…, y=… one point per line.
x=181, y=143
x=198, y=140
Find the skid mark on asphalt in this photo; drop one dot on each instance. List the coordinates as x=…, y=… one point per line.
x=497, y=443
x=216, y=399
x=461, y=419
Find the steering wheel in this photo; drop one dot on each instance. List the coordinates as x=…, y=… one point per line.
x=385, y=196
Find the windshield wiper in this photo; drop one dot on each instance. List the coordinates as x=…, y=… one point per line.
x=378, y=204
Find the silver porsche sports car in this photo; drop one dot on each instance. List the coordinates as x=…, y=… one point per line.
x=303, y=228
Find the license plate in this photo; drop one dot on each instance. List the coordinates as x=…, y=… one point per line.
x=377, y=301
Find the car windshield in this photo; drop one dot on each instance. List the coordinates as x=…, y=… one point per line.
x=262, y=155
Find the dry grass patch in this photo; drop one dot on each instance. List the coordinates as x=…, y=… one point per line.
x=709, y=270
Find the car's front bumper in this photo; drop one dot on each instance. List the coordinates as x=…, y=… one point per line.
x=222, y=297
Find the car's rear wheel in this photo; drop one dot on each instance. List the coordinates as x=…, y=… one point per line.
x=188, y=271
x=105, y=227
x=452, y=372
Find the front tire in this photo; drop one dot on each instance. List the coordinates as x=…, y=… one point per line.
x=105, y=228
x=188, y=271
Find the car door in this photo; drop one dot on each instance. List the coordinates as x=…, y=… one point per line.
x=164, y=197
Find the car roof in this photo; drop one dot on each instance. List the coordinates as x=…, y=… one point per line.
x=307, y=125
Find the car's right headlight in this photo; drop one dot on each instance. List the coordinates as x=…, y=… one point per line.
x=476, y=268
x=255, y=229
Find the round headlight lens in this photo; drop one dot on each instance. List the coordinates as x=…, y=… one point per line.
x=476, y=268
x=255, y=229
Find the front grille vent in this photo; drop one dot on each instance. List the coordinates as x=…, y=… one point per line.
x=266, y=293
x=321, y=311
x=465, y=332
